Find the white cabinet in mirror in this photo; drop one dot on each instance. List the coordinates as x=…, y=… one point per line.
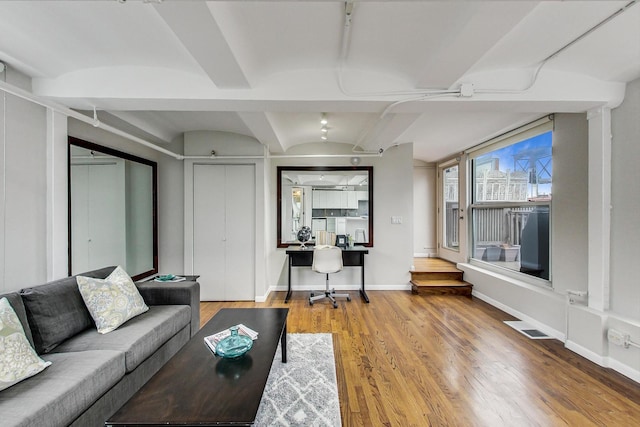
x=332, y=199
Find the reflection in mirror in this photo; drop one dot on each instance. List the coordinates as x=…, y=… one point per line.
x=332, y=199
x=112, y=211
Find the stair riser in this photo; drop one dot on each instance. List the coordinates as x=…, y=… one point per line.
x=435, y=275
x=441, y=290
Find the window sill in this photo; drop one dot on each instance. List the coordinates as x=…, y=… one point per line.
x=517, y=278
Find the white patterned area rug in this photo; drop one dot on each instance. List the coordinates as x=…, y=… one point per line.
x=303, y=391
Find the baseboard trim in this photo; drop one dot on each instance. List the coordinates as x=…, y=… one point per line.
x=515, y=313
x=354, y=288
x=625, y=370
x=586, y=353
x=604, y=361
x=425, y=255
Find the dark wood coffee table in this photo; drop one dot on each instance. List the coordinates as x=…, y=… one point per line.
x=195, y=388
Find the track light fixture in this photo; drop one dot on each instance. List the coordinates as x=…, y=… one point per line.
x=324, y=130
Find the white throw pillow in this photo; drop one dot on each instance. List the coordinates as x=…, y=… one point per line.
x=18, y=360
x=111, y=301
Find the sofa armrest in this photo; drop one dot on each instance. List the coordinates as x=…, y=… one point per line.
x=175, y=293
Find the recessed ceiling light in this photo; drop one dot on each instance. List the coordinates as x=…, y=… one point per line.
x=323, y=120
x=323, y=137
x=324, y=129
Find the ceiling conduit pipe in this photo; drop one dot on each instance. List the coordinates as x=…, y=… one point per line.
x=542, y=63
x=416, y=95
x=93, y=121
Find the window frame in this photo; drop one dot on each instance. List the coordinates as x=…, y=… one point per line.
x=515, y=136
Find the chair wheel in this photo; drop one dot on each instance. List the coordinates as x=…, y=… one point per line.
x=312, y=294
x=310, y=302
x=335, y=305
x=348, y=298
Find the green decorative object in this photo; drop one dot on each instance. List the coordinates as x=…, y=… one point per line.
x=234, y=345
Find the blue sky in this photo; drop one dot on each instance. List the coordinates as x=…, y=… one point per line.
x=536, y=149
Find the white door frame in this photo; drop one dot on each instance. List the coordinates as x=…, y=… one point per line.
x=461, y=254
x=261, y=288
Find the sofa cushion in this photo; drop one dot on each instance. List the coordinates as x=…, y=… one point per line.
x=18, y=360
x=139, y=338
x=111, y=301
x=62, y=392
x=56, y=312
x=15, y=300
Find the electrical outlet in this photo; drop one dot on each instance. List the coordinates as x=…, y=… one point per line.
x=617, y=337
x=396, y=220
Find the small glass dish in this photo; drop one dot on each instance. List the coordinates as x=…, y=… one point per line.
x=234, y=345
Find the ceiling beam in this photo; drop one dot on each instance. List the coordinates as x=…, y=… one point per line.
x=200, y=34
x=387, y=130
x=262, y=129
x=144, y=125
x=470, y=41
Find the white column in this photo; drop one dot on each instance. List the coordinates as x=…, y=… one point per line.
x=57, y=196
x=599, y=207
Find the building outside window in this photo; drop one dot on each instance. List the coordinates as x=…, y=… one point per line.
x=511, y=200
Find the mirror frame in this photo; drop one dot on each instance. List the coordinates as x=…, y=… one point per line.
x=368, y=169
x=126, y=156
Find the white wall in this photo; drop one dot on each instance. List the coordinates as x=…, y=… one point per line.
x=23, y=189
x=33, y=190
x=583, y=328
x=624, y=314
x=625, y=199
x=424, y=209
x=389, y=261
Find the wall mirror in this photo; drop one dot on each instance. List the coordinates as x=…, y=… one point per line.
x=325, y=198
x=112, y=210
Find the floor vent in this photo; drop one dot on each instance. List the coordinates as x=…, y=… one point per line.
x=527, y=330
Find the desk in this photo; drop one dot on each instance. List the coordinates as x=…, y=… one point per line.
x=351, y=257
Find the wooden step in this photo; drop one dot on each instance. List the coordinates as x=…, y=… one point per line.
x=441, y=287
x=437, y=275
x=434, y=276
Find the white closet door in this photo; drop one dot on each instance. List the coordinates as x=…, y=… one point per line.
x=224, y=231
x=240, y=228
x=98, y=229
x=80, y=224
x=107, y=215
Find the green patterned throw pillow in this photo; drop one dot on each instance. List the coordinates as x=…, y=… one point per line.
x=111, y=301
x=18, y=360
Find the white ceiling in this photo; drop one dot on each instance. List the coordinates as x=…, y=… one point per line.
x=268, y=69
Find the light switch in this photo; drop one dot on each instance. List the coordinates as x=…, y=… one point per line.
x=396, y=220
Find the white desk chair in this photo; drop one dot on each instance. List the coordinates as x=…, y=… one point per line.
x=327, y=260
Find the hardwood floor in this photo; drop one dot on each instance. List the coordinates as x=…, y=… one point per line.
x=407, y=360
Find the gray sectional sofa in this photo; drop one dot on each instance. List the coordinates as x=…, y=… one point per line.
x=92, y=375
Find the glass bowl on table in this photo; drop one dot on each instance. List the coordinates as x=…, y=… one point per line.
x=234, y=345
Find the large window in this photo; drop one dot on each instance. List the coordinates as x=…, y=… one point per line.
x=512, y=188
